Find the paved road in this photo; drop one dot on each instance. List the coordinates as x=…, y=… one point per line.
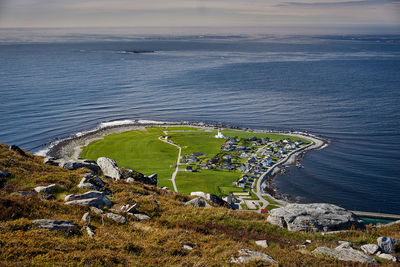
x=317, y=144
x=177, y=162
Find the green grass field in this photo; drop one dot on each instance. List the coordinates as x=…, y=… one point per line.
x=206, y=180
x=142, y=151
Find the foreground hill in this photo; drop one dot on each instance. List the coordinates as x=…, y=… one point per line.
x=176, y=234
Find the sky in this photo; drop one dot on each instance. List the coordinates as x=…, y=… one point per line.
x=264, y=14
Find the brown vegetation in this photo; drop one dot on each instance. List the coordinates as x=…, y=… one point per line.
x=214, y=233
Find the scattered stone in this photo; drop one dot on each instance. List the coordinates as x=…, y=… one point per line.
x=109, y=168
x=165, y=188
x=89, y=181
x=86, y=218
x=54, y=225
x=387, y=257
x=344, y=254
x=96, y=210
x=116, y=217
x=370, y=248
x=213, y=198
x=246, y=255
x=187, y=247
x=77, y=164
x=129, y=208
x=92, y=199
x=46, y=189
x=89, y=231
x=307, y=242
x=344, y=244
x=386, y=244
x=152, y=179
x=197, y=202
x=142, y=216
x=130, y=180
x=314, y=217
x=18, y=150
x=46, y=196
x=262, y=243
x=4, y=173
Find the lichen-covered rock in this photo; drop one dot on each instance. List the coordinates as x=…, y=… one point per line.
x=109, y=168
x=262, y=243
x=89, y=231
x=92, y=182
x=92, y=199
x=53, y=225
x=46, y=189
x=314, y=217
x=344, y=254
x=86, y=218
x=370, y=248
x=77, y=164
x=247, y=255
x=387, y=257
x=116, y=217
x=197, y=202
x=213, y=198
x=386, y=244
x=142, y=216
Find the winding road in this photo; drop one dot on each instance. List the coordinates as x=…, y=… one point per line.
x=177, y=162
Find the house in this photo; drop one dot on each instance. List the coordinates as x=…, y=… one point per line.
x=244, y=155
x=286, y=141
x=189, y=168
x=241, y=183
x=242, y=168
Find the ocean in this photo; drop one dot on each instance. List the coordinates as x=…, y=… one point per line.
x=343, y=88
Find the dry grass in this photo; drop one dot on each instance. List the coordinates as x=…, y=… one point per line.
x=214, y=233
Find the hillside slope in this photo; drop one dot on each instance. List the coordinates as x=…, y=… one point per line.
x=215, y=234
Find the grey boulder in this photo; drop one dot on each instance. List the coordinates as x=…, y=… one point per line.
x=142, y=216
x=109, y=168
x=197, y=202
x=370, y=248
x=262, y=243
x=387, y=257
x=89, y=181
x=386, y=244
x=116, y=217
x=46, y=189
x=316, y=217
x=247, y=255
x=54, y=225
x=344, y=254
x=77, y=164
x=92, y=199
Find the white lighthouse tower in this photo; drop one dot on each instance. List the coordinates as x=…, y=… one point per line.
x=219, y=135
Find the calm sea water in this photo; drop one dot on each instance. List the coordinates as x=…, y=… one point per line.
x=344, y=88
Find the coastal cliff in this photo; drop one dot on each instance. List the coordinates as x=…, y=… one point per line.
x=58, y=216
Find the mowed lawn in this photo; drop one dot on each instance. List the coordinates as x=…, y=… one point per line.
x=199, y=141
x=137, y=150
x=208, y=181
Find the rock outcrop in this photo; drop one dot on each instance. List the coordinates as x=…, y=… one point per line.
x=116, y=217
x=109, y=168
x=386, y=244
x=370, y=248
x=316, y=217
x=387, y=257
x=53, y=225
x=46, y=189
x=197, y=202
x=131, y=176
x=92, y=182
x=247, y=255
x=213, y=198
x=344, y=254
x=18, y=150
x=92, y=199
x=77, y=164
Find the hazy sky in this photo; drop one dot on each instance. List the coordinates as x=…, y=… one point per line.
x=199, y=13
